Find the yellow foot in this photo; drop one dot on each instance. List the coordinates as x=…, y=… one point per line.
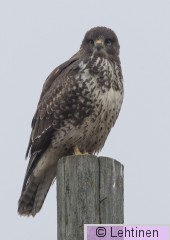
x=78, y=152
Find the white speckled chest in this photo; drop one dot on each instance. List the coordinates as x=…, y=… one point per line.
x=107, y=103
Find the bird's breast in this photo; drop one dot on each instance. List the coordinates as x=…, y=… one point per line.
x=97, y=83
x=98, y=74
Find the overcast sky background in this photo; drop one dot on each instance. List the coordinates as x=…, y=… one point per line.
x=35, y=37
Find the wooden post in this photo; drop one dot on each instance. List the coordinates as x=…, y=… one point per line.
x=89, y=190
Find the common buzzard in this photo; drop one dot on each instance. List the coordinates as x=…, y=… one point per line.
x=78, y=106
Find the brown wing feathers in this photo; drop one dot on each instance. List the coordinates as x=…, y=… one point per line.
x=42, y=123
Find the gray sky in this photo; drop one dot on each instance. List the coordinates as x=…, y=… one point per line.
x=36, y=36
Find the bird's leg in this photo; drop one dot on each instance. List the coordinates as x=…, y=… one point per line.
x=78, y=152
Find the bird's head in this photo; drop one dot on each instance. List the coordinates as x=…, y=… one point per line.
x=101, y=41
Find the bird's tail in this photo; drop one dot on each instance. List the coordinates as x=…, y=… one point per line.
x=34, y=194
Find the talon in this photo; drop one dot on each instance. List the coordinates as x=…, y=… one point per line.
x=78, y=152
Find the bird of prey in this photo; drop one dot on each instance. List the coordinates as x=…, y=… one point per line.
x=78, y=106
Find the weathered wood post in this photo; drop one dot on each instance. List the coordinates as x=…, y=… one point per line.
x=89, y=190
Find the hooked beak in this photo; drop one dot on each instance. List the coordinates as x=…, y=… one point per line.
x=99, y=43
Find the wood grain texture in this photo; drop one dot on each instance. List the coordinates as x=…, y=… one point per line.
x=89, y=190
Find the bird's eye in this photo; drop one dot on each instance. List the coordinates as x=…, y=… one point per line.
x=108, y=42
x=91, y=42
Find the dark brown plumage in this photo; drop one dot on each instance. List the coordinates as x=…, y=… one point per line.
x=79, y=104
